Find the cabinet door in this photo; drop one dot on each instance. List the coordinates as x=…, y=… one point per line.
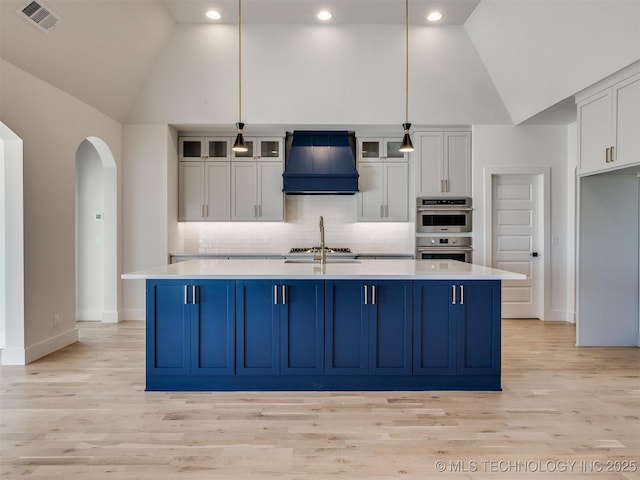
x=270, y=197
x=218, y=191
x=371, y=195
x=269, y=148
x=396, y=192
x=429, y=163
x=434, y=332
x=250, y=154
x=301, y=327
x=213, y=328
x=168, y=340
x=594, y=130
x=218, y=149
x=191, y=149
x=478, y=327
x=244, y=181
x=190, y=191
x=390, y=327
x=370, y=149
x=257, y=339
x=346, y=329
x=627, y=128
x=457, y=163
x=392, y=150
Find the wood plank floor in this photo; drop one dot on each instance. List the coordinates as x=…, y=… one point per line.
x=565, y=412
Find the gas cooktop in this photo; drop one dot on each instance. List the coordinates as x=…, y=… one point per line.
x=312, y=250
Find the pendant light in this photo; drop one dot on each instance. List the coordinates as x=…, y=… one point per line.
x=407, y=145
x=239, y=145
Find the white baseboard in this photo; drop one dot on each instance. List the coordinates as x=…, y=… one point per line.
x=18, y=356
x=89, y=315
x=560, y=316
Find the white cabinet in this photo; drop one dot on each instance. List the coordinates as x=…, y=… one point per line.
x=203, y=191
x=257, y=191
x=261, y=148
x=192, y=149
x=609, y=124
x=383, y=195
x=380, y=149
x=443, y=163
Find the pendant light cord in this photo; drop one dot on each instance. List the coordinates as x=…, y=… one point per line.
x=239, y=60
x=406, y=72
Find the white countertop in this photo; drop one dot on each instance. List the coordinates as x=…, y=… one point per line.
x=253, y=269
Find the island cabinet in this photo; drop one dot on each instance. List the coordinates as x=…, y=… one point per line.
x=368, y=327
x=457, y=329
x=333, y=334
x=279, y=327
x=190, y=329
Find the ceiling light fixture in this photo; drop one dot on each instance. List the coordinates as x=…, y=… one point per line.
x=407, y=145
x=324, y=15
x=214, y=15
x=434, y=16
x=239, y=145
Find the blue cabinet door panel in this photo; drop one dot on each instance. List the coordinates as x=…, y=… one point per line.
x=213, y=329
x=478, y=329
x=257, y=342
x=390, y=328
x=167, y=328
x=302, y=328
x=345, y=328
x=433, y=329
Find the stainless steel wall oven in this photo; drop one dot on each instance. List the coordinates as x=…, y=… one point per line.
x=444, y=248
x=443, y=215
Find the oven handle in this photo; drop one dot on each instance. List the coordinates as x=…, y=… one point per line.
x=422, y=208
x=444, y=249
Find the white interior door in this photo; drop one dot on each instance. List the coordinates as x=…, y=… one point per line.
x=517, y=228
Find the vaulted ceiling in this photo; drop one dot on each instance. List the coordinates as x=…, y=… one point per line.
x=103, y=51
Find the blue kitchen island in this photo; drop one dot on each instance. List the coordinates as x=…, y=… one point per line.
x=253, y=325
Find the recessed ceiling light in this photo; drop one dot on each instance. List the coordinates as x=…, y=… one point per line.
x=214, y=15
x=434, y=16
x=324, y=15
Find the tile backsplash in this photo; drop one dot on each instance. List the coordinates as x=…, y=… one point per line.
x=302, y=213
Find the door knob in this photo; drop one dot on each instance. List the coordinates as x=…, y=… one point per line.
x=534, y=254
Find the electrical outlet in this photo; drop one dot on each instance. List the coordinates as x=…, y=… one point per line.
x=56, y=320
x=372, y=239
x=554, y=241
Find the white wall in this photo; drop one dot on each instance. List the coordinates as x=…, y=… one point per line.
x=144, y=221
x=539, y=52
x=11, y=248
x=310, y=74
x=529, y=146
x=90, y=234
x=52, y=126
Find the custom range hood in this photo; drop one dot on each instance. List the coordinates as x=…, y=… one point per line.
x=320, y=162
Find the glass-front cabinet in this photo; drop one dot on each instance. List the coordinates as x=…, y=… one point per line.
x=268, y=148
x=380, y=149
x=204, y=149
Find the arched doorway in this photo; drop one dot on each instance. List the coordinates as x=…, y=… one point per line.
x=96, y=232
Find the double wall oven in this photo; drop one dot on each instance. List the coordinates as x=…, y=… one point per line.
x=443, y=228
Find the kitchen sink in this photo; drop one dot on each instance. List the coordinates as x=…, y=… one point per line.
x=329, y=260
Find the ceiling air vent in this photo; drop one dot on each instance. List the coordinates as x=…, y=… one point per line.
x=39, y=15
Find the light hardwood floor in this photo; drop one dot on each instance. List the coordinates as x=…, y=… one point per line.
x=564, y=412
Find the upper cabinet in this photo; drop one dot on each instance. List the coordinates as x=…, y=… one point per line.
x=261, y=148
x=384, y=181
x=380, y=149
x=609, y=124
x=204, y=149
x=217, y=184
x=443, y=163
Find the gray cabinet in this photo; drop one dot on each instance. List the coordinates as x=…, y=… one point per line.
x=608, y=124
x=443, y=163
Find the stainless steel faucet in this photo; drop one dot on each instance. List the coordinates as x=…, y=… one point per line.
x=323, y=249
